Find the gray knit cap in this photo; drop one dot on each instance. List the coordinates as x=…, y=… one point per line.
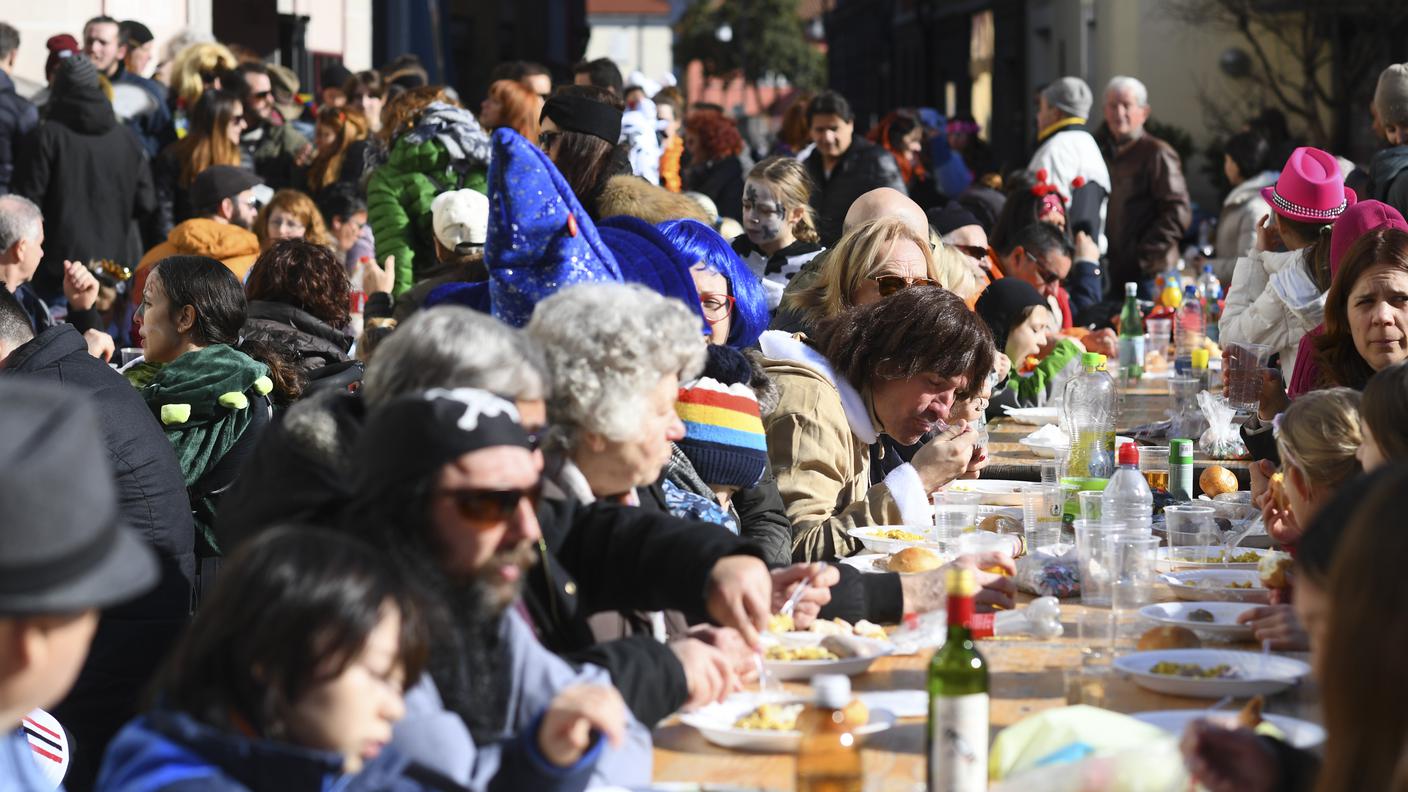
x=75, y=71
x=1391, y=95
x=1071, y=95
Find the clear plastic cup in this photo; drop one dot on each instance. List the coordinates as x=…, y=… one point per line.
x=1193, y=537
x=955, y=513
x=1041, y=515
x=1051, y=472
x=1153, y=463
x=1242, y=375
x=1092, y=554
x=1132, y=569
x=1089, y=504
x=1160, y=336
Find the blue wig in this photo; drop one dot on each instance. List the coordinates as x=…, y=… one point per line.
x=700, y=243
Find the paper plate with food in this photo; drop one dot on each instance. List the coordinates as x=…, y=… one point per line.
x=889, y=539
x=767, y=722
x=782, y=628
x=995, y=492
x=1209, y=556
x=1211, y=673
x=1214, y=618
x=835, y=654
x=1223, y=585
x=1293, y=731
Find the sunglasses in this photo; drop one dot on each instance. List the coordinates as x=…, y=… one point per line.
x=717, y=307
x=890, y=284
x=971, y=251
x=261, y=94
x=1047, y=276
x=546, y=139
x=491, y=506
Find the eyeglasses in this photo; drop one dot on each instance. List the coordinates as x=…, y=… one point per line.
x=261, y=94
x=1047, y=276
x=971, y=251
x=717, y=307
x=889, y=284
x=491, y=506
x=546, y=139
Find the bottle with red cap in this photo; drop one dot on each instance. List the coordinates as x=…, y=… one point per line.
x=1127, y=497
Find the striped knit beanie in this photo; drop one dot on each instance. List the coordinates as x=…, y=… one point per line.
x=724, y=437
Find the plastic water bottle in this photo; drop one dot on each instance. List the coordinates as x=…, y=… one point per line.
x=1210, y=290
x=1127, y=497
x=1089, y=406
x=1189, y=334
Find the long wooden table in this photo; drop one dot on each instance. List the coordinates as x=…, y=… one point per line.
x=1140, y=404
x=1027, y=677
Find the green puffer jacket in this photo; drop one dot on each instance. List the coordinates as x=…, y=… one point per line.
x=399, y=194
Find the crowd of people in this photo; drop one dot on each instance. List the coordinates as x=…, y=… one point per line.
x=404, y=446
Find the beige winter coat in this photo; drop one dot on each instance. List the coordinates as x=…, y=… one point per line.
x=819, y=441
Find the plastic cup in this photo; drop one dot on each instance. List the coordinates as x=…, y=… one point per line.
x=1160, y=335
x=955, y=513
x=1242, y=376
x=1132, y=569
x=1089, y=504
x=1153, y=463
x=126, y=355
x=1041, y=515
x=1092, y=554
x=1192, y=534
x=1051, y=472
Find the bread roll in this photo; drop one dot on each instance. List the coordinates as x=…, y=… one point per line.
x=1217, y=480
x=1169, y=637
x=856, y=713
x=914, y=559
x=1000, y=523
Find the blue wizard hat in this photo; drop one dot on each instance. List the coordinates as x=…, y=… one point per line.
x=649, y=258
x=540, y=239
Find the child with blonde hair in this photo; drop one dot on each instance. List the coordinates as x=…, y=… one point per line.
x=779, y=228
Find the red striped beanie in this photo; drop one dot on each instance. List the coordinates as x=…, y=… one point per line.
x=724, y=437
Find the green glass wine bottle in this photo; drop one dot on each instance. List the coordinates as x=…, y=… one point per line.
x=958, y=697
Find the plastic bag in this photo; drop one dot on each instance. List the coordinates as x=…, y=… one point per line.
x=1223, y=439
x=1052, y=571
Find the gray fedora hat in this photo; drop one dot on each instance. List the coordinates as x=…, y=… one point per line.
x=63, y=547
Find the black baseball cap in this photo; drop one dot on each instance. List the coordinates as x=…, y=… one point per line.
x=218, y=182
x=63, y=545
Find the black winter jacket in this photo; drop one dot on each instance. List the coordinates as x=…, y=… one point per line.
x=864, y=167
x=90, y=177
x=307, y=341
x=722, y=181
x=18, y=118
x=132, y=638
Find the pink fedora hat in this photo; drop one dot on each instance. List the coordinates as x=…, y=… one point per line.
x=1311, y=188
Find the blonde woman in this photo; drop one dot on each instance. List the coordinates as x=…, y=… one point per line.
x=779, y=227
x=872, y=261
x=291, y=214
x=195, y=69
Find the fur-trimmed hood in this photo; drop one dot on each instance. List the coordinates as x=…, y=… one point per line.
x=634, y=196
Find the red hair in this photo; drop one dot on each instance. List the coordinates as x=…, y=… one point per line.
x=521, y=107
x=718, y=136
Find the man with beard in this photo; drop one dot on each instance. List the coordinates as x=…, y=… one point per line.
x=223, y=196
x=447, y=485
x=277, y=150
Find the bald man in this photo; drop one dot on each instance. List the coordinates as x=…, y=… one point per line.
x=876, y=204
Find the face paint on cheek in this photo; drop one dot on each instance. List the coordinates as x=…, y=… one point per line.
x=763, y=219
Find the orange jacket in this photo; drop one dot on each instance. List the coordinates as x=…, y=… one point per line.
x=235, y=247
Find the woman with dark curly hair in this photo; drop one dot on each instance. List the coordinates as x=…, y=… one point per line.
x=718, y=164
x=298, y=303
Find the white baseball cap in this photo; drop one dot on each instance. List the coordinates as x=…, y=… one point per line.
x=460, y=217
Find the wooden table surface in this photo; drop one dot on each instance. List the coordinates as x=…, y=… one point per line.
x=1142, y=404
x=1027, y=677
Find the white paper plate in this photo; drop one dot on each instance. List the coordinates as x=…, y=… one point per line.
x=995, y=492
x=870, y=536
x=1258, y=674
x=1299, y=733
x=867, y=562
x=1203, y=585
x=1224, y=614
x=1034, y=416
x=716, y=721
x=786, y=670
x=1043, y=450
x=1193, y=558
